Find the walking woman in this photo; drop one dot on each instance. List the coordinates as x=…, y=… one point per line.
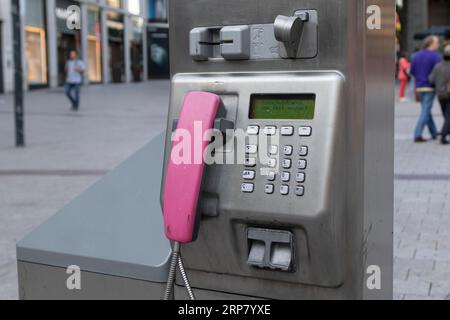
x=403, y=75
x=440, y=77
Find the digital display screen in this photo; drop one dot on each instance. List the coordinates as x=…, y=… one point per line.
x=282, y=107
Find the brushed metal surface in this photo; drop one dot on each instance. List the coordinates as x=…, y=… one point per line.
x=365, y=58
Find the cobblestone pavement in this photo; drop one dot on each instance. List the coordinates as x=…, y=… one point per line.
x=422, y=211
x=68, y=152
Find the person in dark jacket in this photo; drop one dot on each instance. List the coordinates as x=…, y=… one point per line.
x=421, y=68
x=440, y=77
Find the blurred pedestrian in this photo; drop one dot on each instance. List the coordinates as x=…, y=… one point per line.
x=74, y=78
x=421, y=68
x=440, y=77
x=403, y=75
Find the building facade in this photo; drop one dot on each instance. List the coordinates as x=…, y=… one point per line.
x=119, y=40
x=417, y=16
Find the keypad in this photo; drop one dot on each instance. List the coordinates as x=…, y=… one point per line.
x=292, y=162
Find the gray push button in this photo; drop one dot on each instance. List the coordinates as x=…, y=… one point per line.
x=302, y=164
x=253, y=130
x=301, y=177
x=270, y=249
x=288, y=150
x=303, y=151
x=235, y=42
x=269, y=189
x=251, y=149
x=284, y=190
x=249, y=175
x=300, y=191
x=250, y=162
x=287, y=131
x=272, y=163
x=273, y=150
x=271, y=176
x=247, y=187
x=270, y=130
x=305, y=131
x=286, y=176
x=287, y=163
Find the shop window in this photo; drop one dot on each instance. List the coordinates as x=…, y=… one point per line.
x=94, y=49
x=114, y=3
x=157, y=10
x=36, y=55
x=35, y=42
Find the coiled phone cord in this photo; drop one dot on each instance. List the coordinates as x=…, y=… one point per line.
x=176, y=260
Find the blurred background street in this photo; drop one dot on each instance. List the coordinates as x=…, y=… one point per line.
x=66, y=152
x=124, y=47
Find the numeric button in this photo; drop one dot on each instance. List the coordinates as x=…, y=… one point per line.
x=273, y=150
x=284, y=190
x=288, y=150
x=272, y=163
x=251, y=149
x=302, y=164
x=300, y=191
x=300, y=177
x=269, y=188
x=303, y=151
x=286, y=163
x=287, y=131
x=248, y=175
x=271, y=176
x=285, y=176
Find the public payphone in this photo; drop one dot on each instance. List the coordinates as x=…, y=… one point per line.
x=309, y=208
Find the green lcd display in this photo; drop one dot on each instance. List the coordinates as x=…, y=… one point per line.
x=282, y=107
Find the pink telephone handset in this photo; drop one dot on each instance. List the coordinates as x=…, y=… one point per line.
x=183, y=181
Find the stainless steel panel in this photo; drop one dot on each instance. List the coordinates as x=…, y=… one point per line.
x=365, y=58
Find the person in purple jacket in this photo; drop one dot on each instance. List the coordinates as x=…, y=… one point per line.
x=421, y=68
